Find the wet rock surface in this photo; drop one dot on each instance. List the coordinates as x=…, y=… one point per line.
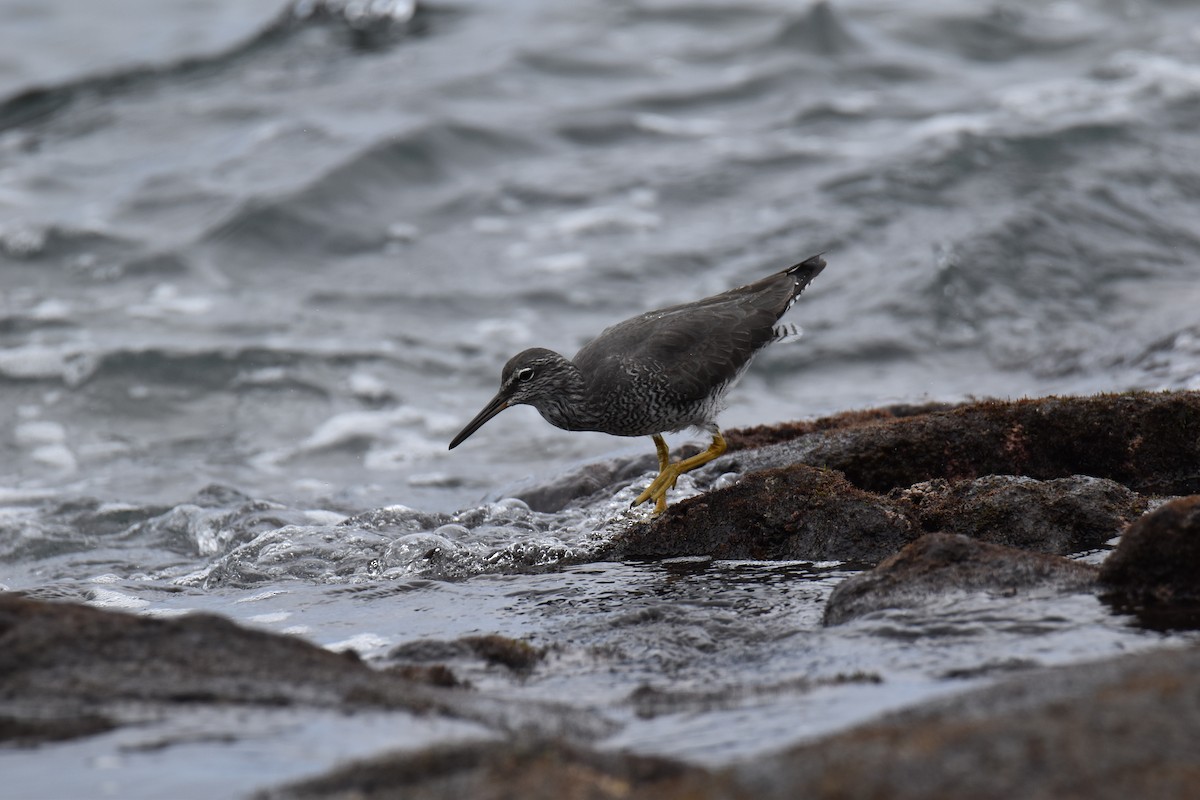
x=1155, y=571
x=1159, y=556
x=69, y=670
x=1055, y=475
x=939, y=564
x=514, y=654
x=796, y=512
x=1121, y=728
x=587, y=481
x=1063, y=515
x=1114, y=729
x=495, y=771
x=1148, y=442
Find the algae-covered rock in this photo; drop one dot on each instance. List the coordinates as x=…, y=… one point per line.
x=940, y=563
x=1146, y=441
x=1052, y=475
x=795, y=512
x=1155, y=571
x=1063, y=515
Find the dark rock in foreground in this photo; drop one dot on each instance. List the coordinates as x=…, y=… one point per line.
x=69, y=670
x=796, y=512
x=1114, y=729
x=499, y=771
x=941, y=563
x=1155, y=571
x=1159, y=556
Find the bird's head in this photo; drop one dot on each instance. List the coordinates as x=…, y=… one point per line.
x=537, y=377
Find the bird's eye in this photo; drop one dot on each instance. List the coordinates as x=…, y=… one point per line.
x=525, y=374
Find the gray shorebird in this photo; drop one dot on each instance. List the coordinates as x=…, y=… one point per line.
x=665, y=370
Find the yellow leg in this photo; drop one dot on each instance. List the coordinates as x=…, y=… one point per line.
x=664, y=453
x=669, y=473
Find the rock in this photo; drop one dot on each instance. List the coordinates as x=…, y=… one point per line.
x=1155, y=570
x=584, y=482
x=533, y=770
x=432, y=674
x=29, y=727
x=68, y=670
x=1126, y=727
x=941, y=563
x=1063, y=516
x=796, y=512
x=1149, y=442
x=763, y=435
x=514, y=654
x=1122, y=728
x=1051, y=475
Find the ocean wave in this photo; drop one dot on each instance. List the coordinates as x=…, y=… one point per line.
x=352, y=207
x=399, y=543
x=361, y=26
x=1003, y=33
x=820, y=31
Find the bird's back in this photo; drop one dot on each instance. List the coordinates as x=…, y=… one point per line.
x=669, y=369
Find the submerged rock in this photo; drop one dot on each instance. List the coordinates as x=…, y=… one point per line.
x=1063, y=516
x=938, y=564
x=516, y=655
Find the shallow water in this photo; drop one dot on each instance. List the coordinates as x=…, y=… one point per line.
x=264, y=247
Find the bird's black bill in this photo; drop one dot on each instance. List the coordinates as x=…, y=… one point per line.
x=498, y=404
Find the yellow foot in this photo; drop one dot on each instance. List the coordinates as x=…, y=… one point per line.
x=668, y=473
x=657, y=491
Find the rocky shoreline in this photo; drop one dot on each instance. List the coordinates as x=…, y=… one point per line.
x=982, y=497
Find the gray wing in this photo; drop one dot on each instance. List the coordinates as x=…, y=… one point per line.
x=691, y=349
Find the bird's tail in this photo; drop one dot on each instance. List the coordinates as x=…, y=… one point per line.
x=804, y=272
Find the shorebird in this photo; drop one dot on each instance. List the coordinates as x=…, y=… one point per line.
x=664, y=370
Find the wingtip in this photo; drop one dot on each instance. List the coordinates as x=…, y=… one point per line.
x=809, y=268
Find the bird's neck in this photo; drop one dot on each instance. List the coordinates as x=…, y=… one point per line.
x=567, y=406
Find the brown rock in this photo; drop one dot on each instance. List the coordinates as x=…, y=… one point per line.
x=508, y=771
x=69, y=670
x=1115, y=729
x=1149, y=442
x=1155, y=570
x=796, y=512
x=763, y=435
x=516, y=655
x=940, y=563
x=1063, y=516
x=589, y=480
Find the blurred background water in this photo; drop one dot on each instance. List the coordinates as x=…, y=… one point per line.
x=281, y=251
